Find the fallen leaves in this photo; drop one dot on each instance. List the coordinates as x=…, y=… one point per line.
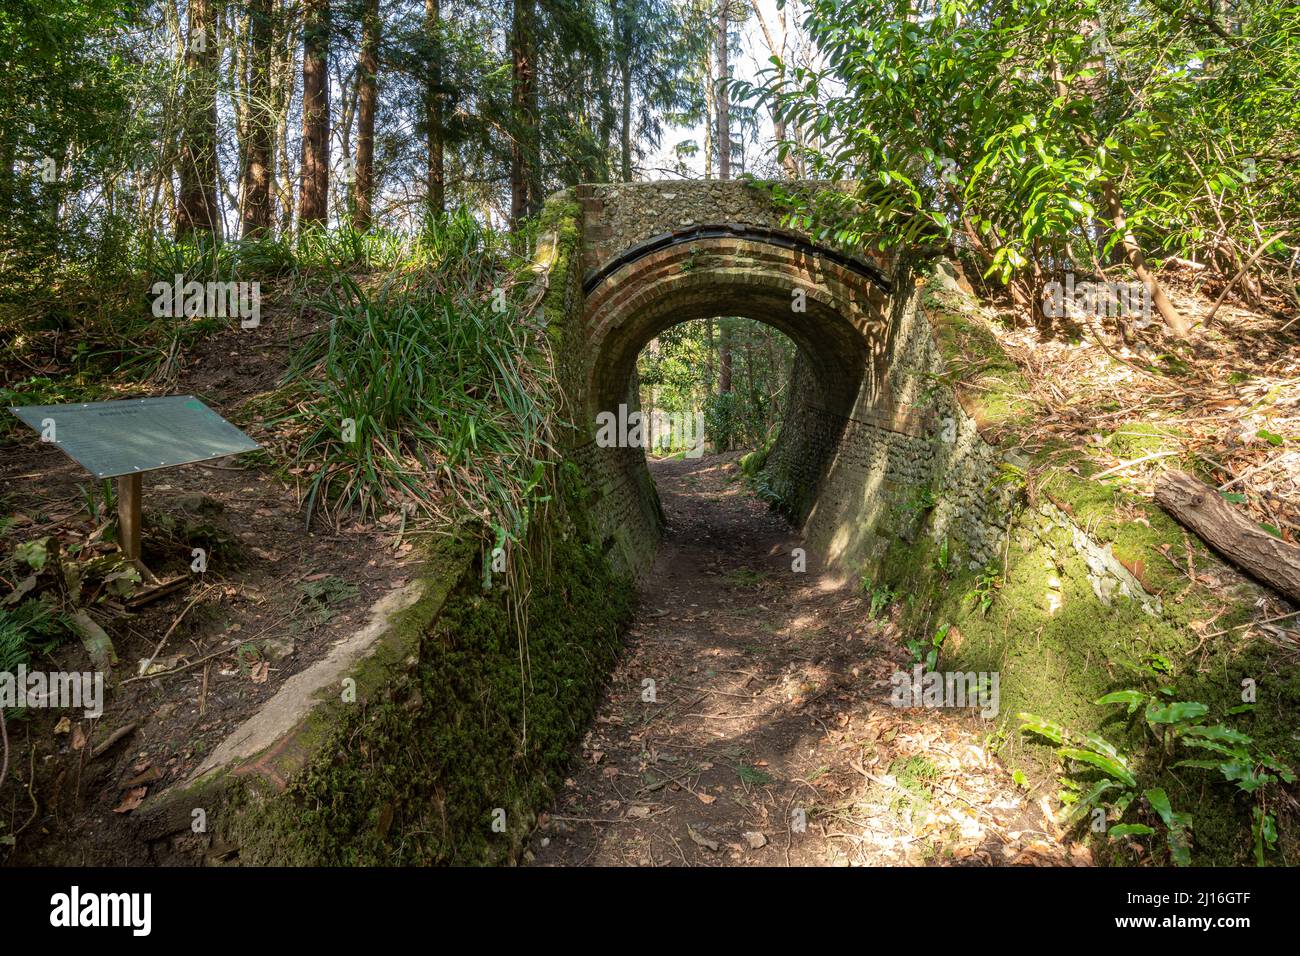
x=134, y=797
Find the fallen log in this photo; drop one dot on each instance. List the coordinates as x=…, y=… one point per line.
x=1232, y=534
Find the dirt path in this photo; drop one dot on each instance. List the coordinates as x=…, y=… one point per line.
x=767, y=737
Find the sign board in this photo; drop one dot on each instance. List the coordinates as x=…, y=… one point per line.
x=110, y=439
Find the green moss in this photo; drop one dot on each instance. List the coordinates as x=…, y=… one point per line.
x=1057, y=663
x=988, y=383
x=560, y=218
x=483, y=720
x=1135, y=439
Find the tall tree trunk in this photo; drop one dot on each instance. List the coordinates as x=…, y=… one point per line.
x=8, y=172
x=710, y=117
x=367, y=97
x=436, y=179
x=622, y=20
x=723, y=95
x=625, y=133
x=525, y=172
x=284, y=83
x=721, y=98
x=260, y=134
x=313, y=195
x=197, y=205
x=779, y=129
x=708, y=358
x=724, y=358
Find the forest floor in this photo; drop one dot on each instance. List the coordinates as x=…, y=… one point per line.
x=1224, y=404
x=771, y=739
x=275, y=597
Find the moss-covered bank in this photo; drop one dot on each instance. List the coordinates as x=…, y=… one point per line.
x=450, y=759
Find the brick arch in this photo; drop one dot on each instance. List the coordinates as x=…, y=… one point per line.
x=840, y=333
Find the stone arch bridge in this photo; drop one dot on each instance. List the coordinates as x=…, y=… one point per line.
x=624, y=262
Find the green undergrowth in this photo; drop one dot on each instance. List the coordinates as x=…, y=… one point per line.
x=1036, y=619
x=558, y=264
x=480, y=730
x=1059, y=649
x=426, y=390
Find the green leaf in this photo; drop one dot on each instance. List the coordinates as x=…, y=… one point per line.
x=1079, y=808
x=1218, y=732
x=1159, y=801
x=1130, y=829
x=1180, y=847
x=33, y=553
x=1176, y=712
x=1201, y=764
x=1132, y=698
x=1113, y=768
x=1030, y=723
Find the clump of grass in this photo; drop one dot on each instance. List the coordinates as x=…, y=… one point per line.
x=424, y=391
x=753, y=776
x=917, y=776
x=29, y=630
x=745, y=578
x=320, y=599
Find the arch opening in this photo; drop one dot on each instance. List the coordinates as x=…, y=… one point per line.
x=725, y=378
x=836, y=316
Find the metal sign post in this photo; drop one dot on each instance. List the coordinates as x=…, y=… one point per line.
x=124, y=439
x=128, y=514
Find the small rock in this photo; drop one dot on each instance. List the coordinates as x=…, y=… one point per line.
x=278, y=648
x=755, y=839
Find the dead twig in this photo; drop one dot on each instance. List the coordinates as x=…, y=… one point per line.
x=144, y=668
x=1136, y=461
x=184, y=667
x=113, y=738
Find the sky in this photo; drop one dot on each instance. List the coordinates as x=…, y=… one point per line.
x=752, y=59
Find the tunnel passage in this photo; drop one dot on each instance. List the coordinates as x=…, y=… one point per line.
x=833, y=311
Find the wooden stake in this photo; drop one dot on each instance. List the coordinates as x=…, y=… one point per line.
x=128, y=515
